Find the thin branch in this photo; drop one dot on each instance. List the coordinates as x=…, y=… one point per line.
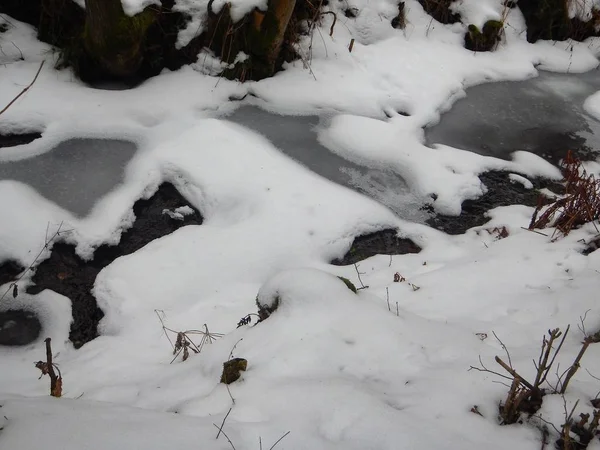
x=504, y=347
x=575, y=366
x=279, y=440
x=24, y=89
x=362, y=286
x=514, y=373
x=226, y=437
x=223, y=423
x=45, y=247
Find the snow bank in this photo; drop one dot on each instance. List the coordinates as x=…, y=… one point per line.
x=377, y=370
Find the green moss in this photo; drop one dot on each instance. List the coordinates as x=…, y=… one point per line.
x=492, y=27
x=232, y=370
x=349, y=284
x=259, y=35
x=484, y=40
x=473, y=29
x=126, y=33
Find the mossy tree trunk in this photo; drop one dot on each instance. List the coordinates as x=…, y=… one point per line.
x=260, y=35
x=113, y=40
x=549, y=19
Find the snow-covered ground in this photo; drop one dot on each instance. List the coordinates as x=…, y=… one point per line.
x=335, y=369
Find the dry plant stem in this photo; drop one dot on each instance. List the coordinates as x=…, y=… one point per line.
x=580, y=205
x=226, y=437
x=24, y=89
x=575, y=366
x=223, y=423
x=542, y=366
x=279, y=440
x=503, y=347
x=362, y=286
x=514, y=374
x=55, y=380
x=334, y=21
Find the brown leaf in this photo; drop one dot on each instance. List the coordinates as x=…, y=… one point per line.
x=42, y=366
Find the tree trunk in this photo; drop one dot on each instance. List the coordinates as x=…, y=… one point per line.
x=260, y=35
x=113, y=39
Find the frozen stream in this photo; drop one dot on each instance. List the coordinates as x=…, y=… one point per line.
x=543, y=115
x=296, y=136
x=76, y=173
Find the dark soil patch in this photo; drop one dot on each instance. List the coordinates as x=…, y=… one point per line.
x=67, y=274
x=12, y=140
x=18, y=327
x=500, y=192
x=384, y=242
x=440, y=10
x=9, y=270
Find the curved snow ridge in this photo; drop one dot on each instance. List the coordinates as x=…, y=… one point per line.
x=257, y=203
x=443, y=175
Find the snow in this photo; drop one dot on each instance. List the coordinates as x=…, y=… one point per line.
x=515, y=178
x=583, y=9
x=386, y=368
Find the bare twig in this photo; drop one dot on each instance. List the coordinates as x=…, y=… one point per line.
x=514, y=373
x=233, y=348
x=279, y=440
x=223, y=423
x=226, y=437
x=387, y=292
x=45, y=247
x=47, y=368
x=504, y=347
x=24, y=90
x=362, y=286
x=575, y=366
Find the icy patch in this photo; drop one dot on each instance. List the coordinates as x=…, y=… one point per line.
x=76, y=173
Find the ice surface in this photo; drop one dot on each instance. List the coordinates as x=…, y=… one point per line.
x=296, y=136
x=76, y=173
x=543, y=115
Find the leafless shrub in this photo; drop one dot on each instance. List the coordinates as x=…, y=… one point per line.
x=577, y=434
x=579, y=205
x=524, y=396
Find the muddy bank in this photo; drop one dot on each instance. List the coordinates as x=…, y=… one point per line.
x=384, y=242
x=501, y=191
x=67, y=274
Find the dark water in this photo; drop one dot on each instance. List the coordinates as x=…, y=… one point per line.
x=543, y=115
x=76, y=173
